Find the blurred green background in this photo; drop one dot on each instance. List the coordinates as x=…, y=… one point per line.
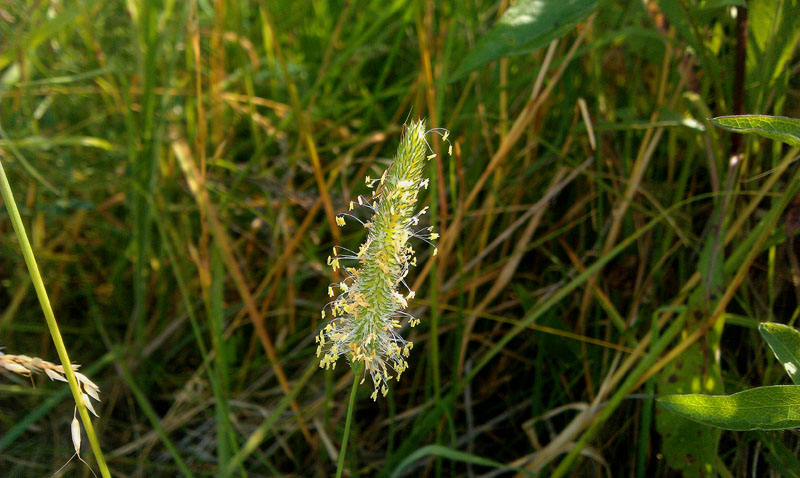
x=178, y=166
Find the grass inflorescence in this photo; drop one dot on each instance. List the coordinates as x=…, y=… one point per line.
x=27, y=366
x=370, y=306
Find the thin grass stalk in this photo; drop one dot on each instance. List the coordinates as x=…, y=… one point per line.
x=142, y=167
x=357, y=372
x=216, y=323
x=52, y=325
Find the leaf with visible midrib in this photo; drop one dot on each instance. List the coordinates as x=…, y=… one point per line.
x=524, y=27
x=779, y=128
x=775, y=407
x=785, y=344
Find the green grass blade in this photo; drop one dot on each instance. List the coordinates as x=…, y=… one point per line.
x=152, y=416
x=455, y=455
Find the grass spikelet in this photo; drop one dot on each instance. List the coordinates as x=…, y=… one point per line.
x=25, y=365
x=370, y=306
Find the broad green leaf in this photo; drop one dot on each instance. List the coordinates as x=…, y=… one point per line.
x=785, y=344
x=686, y=445
x=524, y=27
x=775, y=407
x=779, y=128
x=455, y=455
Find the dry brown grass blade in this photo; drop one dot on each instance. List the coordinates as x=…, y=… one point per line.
x=527, y=114
x=304, y=127
x=519, y=126
x=558, y=183
x=181, y=150
x=425, y=35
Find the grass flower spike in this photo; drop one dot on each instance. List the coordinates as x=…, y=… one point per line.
x=370, y=306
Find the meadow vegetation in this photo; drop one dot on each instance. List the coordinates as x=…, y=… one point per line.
x=181, y=168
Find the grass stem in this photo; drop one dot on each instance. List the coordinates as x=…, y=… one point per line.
x=52, y=325
x=357, y=371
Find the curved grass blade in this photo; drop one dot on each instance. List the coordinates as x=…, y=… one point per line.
x=455, y=455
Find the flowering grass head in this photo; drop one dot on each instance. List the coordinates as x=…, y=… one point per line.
x=369, y=308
